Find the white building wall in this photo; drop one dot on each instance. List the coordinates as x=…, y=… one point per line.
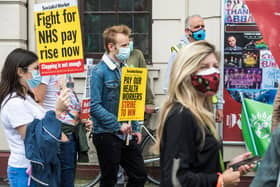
x=168, y=27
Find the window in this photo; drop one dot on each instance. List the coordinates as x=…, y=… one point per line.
x=100, y=14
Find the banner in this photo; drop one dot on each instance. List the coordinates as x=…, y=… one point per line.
x=58, y=37
x=267, y=16
x=256, y=125
x=133, y=94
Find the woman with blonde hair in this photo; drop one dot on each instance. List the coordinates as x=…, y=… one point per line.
x=188, y=143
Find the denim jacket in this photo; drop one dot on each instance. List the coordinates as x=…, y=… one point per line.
x=105, y=95
x=42, y=149
x=268, y=171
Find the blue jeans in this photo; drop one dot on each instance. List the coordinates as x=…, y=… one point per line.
x=68, y=162
x=18, y=177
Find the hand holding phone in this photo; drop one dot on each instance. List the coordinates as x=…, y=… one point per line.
x=248, y=161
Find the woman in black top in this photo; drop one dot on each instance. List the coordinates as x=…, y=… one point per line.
x=189, y=146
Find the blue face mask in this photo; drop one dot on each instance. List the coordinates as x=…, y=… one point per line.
x=123, y=54
x=199, y=35
x=131, y=46
x=36, y=79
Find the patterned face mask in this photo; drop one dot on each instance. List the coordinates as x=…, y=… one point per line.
x=207, y=81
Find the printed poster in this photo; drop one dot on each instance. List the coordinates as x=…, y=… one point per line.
x=236, y=11
x=232, y=121
x=262, y=95
x=233, y=59
x=271, y=78
x=58, y=37
x=245, y=78
x=240, y=38
x=249, y=66
x=133, y=94
x=267, y=60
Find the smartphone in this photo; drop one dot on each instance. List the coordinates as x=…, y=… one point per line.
x=248, y=161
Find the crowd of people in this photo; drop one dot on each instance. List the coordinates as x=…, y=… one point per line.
x=40, y=116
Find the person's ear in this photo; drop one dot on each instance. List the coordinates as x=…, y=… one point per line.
x=188, y=32
x=111, y=47
x=20, y=72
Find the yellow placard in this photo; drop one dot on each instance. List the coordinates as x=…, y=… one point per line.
x=133, y=94
x=58, y=37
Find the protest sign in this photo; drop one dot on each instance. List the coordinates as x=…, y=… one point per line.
x=58, y=37
x=133, y=94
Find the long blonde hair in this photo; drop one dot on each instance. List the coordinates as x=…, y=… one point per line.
x=180, y=89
